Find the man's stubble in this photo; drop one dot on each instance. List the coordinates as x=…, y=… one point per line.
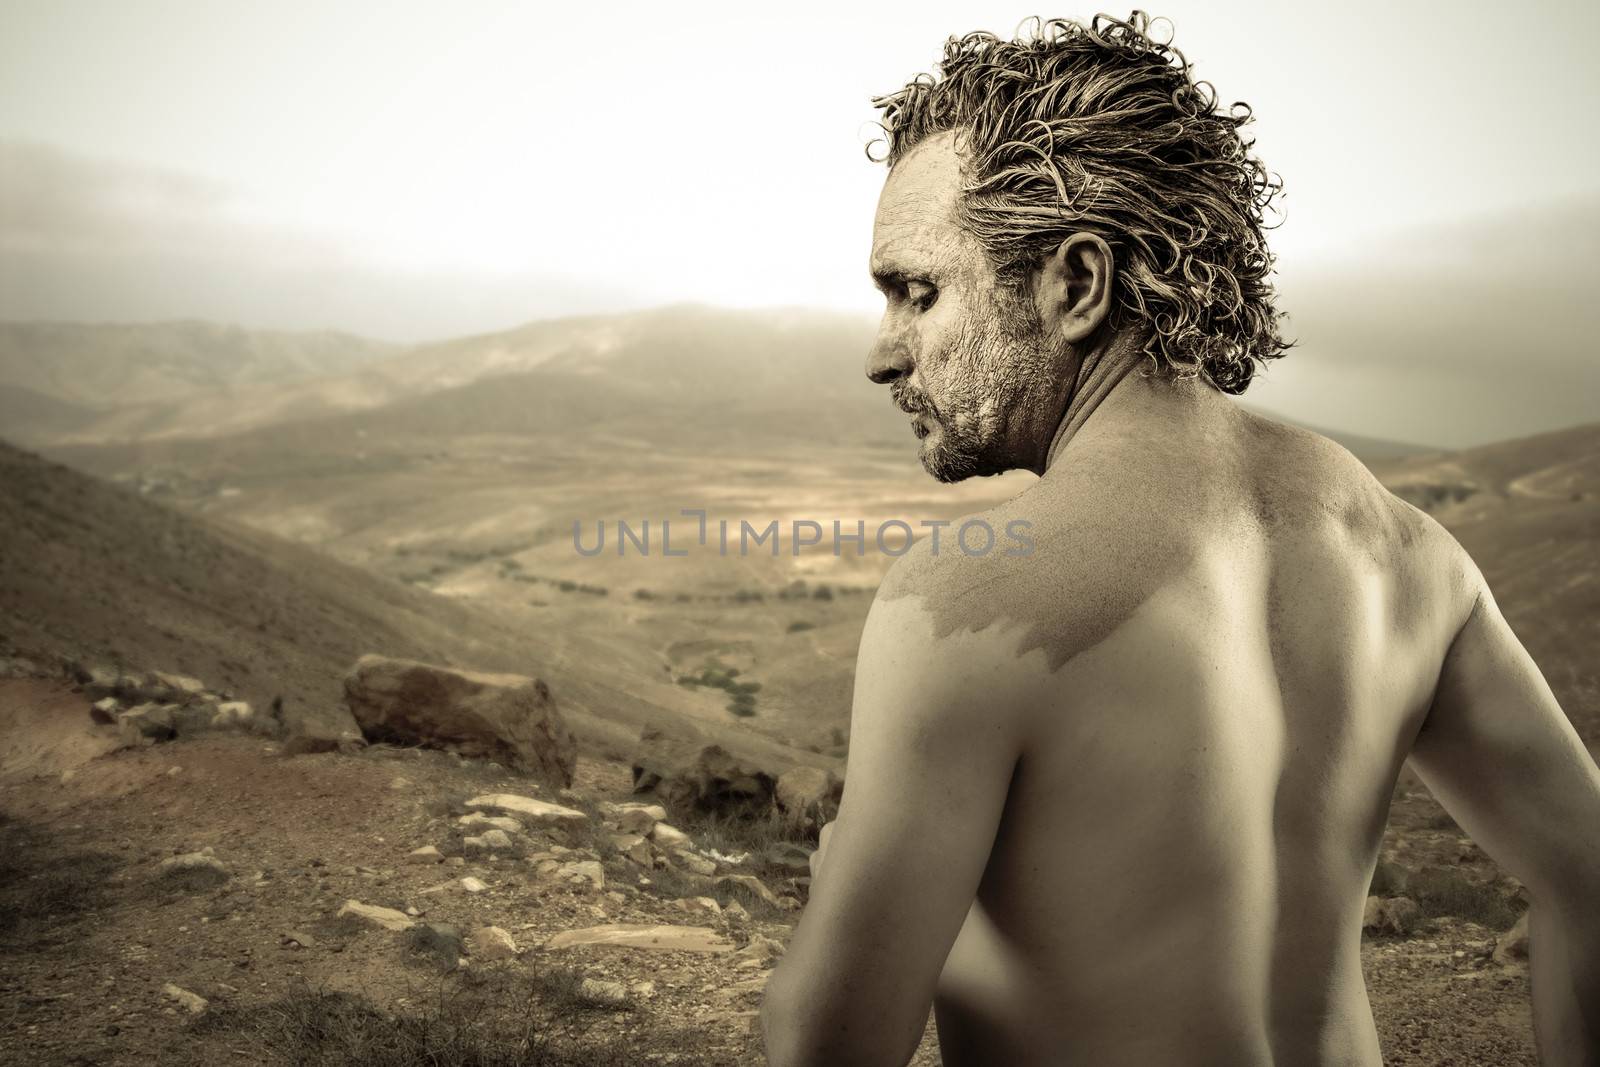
x=997, y=364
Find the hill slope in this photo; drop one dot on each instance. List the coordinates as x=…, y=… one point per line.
x=93, y=572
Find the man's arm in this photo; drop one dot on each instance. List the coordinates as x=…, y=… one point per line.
x=932, y=750
x=1501, y=756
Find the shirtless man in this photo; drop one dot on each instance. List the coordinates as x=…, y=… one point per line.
x=1119, y=801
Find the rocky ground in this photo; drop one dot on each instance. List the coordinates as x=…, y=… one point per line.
x=227, y=899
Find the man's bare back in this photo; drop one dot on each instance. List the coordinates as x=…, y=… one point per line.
x=1118, y=801
x=1232, y=661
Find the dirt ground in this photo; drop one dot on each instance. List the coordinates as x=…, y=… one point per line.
x=92, y=934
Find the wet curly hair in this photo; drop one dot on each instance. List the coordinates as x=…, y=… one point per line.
x=1101, y=128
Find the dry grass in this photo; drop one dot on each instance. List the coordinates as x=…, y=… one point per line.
x=43, y=884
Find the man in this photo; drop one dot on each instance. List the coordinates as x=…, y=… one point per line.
x=1119, y=801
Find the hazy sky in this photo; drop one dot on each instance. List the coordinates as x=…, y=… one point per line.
x=416, y=170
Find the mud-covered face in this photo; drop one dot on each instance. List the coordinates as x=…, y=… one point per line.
x=963, y=354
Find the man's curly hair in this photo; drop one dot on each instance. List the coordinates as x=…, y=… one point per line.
x=1101, y=128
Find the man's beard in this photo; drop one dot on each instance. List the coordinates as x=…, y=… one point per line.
x=1004, y=347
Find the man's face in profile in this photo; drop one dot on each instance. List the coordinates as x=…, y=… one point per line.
x=964, y=354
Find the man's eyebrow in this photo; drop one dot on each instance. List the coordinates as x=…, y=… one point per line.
x=889, y=278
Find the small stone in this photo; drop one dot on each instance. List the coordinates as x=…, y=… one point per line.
x=587, y=874
x=668, y=836
x=455, y=861
x=232, y=713
x=193, y=1003
x=496, y=840
x=473, y=885
x=538, y=811
x=752, y=884
x=478, y=821
x=604, y=991
x=635, y=847
x=491, y=943
x=694, y=863
x=736, y=912
x=299, y=939
x=104, y=710
x=400, y=785
x=706, y=905
x=425, y=854
x=474, y=846
x=386, y=918
x=203, y=863
x=654, y=938
x=1512, y=947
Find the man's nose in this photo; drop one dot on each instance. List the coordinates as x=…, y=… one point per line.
x=887, y=361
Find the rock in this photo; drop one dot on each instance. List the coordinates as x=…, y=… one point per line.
x=193, y=1003
x=1513, y=944
x=1398, y=916
x=191, y=719
x=97, y=679
x=587, y=874
x=754, y=885
x=694, y=863
x=653, y=938
x=668, y=836
x=474, y=846
x=605, y=992
x=808, y=797
x=702, y=905
x=387, y=918
x=104, y=710
x=437, y=940
x=233, y=715
x=307, y=734
x=705, y=777
x=425, y=854
x=509, y=718
x=791, y=857
x=636, y=818
x=761, y=948
x=635, y=847
x=178, y=688
x=299, y=939
x=194, y=866
x=490, y=943
x=496, y=840
x=477, y=820
x=736, y=912
x=473, y=885
x=535, y=811
x=146, y=724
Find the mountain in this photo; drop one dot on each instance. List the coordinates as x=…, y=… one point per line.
x=126, y=380
x=665, y=378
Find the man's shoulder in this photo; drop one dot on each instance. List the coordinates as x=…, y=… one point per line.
x=1054, y=578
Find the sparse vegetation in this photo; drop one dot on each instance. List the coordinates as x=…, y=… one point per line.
x=459, y=1026
x=42, y=883
x=713, y=675
x=1442, y=891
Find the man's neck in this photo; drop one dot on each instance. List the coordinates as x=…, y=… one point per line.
x=1100, y=372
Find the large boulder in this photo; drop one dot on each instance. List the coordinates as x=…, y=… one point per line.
x=698, y=776
x=505, y=717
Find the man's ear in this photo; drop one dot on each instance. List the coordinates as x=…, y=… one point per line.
x=1073, y=287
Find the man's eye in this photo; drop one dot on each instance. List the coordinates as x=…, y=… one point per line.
x=922, y=297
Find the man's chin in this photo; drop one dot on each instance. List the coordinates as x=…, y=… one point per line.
x=946, y=465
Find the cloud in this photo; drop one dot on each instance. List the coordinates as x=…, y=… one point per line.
x=89, y=239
